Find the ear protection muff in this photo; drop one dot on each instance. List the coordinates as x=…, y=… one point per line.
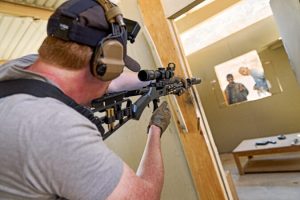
x=107, y=61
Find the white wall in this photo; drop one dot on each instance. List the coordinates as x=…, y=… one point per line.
x=287, y=16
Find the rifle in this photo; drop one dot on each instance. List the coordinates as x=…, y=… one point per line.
x=118, y=107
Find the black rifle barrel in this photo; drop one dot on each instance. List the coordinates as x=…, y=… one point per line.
x=194, y=81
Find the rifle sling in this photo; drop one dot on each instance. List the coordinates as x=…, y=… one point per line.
x=42, y=89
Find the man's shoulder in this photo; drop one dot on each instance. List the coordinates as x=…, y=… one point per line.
x=48, y=131
x=22, y=61
x=45, y=111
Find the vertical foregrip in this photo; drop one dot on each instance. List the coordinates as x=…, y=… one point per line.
x=141, y=103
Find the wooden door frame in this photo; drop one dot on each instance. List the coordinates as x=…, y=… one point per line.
x=201, y=153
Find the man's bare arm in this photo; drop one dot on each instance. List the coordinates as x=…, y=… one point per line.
x=148, y=181
x=126, y=81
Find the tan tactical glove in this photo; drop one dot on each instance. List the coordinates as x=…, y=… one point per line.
x=161, y=117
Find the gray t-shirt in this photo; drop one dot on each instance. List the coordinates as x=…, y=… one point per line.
x=48, y=150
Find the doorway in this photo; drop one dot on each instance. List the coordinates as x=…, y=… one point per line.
x=217, y=38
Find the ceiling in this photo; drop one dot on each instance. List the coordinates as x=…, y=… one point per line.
x=23, y=26
x=201, y=13
x=23, y=23
x=217, y=21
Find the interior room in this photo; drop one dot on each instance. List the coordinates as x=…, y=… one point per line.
x=217, y=146
x=216, y=42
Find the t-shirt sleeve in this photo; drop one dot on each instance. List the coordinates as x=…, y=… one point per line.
x=67, y=156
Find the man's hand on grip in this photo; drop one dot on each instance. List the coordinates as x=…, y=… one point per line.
x=161, y=117
x=178, y=79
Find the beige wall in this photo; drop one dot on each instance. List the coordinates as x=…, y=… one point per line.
x=269, y=116
x=129, y=141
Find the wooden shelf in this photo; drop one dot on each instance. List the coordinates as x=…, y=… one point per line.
x=272, y=165
x=248, y=148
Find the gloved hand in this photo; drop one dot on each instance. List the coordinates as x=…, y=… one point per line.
x=177, y=79
x=180, y=79
x=161, y=117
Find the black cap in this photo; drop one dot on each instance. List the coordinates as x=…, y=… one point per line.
x=84, y=22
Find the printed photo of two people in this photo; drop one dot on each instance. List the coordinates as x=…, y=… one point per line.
x=242, y=79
